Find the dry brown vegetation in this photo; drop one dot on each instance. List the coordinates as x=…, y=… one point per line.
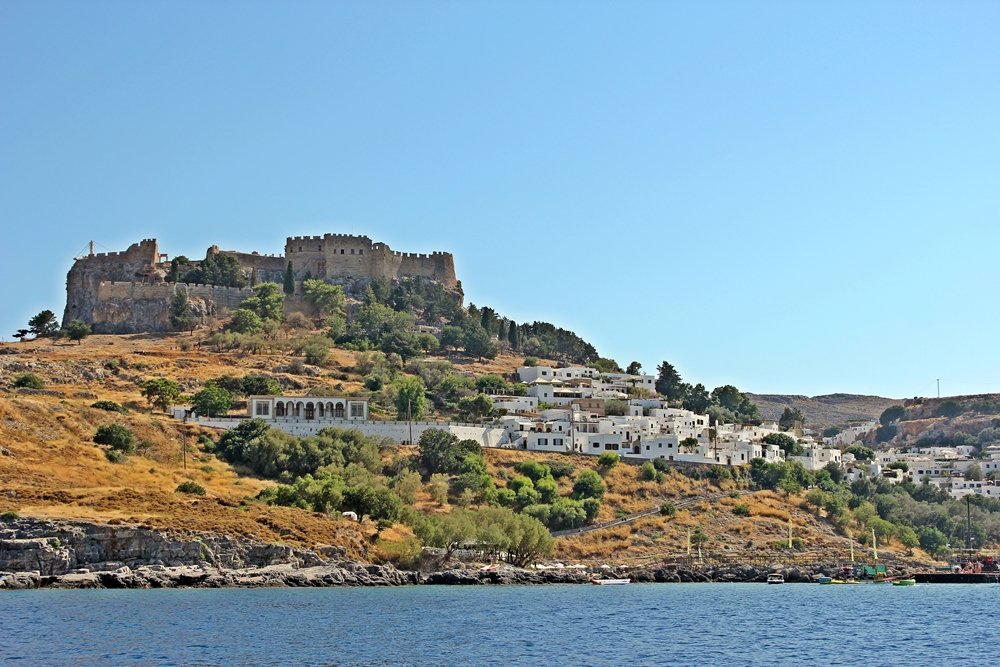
x=51, y=468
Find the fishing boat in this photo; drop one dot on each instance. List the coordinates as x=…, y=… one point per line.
x=775, y=578
x=904, y=582
x=610, y=582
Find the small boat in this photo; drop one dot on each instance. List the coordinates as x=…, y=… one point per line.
x=830, y=580
x=825, y=580
x=904, y=582
x=775, y=578
x=610, y=582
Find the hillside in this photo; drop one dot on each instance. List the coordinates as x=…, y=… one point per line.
x=822, y=411
x=50, y=467
x=948, y=421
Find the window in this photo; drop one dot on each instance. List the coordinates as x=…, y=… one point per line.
x=263, y=409
x=557, y=442
x=361, y=252
x=341, y=251
x=300, y=248
x=357, y=410
x=543, y=442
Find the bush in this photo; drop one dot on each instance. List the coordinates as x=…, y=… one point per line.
x=117, y=437
x=115, y=456
x=741, y=509
x=649, y=472
x=109, y=406
x=588, y=484
x=668, y=509
x=608, y=460
x=948, y=409
x=9, y=516
x=193, y=488
x=560, y=469
x=29, y=381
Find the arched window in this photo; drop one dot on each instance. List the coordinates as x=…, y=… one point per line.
x=319, y=410
x=279, y=409
x=338, y=411
x=310, y=410
x=298, y=409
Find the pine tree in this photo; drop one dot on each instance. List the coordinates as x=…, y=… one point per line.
x=512, y=336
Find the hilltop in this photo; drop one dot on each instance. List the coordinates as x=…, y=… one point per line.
x=826, y=410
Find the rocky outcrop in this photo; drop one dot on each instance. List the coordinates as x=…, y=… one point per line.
x=57, y=554
x=58, y=548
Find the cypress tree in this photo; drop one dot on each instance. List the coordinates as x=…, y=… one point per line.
x=289, y=286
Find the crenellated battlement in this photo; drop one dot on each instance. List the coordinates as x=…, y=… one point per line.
x=126, y=291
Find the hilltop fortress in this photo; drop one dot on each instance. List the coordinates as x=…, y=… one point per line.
x=128, y=291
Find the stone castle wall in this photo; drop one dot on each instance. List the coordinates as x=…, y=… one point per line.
x=334, y=256
x=131, y=307
x=124, y=292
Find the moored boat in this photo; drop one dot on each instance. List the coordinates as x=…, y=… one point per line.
x=610, y=582
x=775, y=578
x=904, y=582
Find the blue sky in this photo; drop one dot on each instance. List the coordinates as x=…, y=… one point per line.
x=793, y=197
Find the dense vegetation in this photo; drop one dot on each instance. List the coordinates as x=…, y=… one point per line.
x=341, y=470
x=911, y=514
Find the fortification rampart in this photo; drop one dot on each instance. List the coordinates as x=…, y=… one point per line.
x=125, y=292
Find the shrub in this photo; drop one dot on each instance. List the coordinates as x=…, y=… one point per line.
x=649, y=472
x=741, y=509
x=110, y=406
x=668, y=509
x=560, y=469
x=948, y=409
x=588, y=484
x=117, y=437
x=608, y=460
x=193, y=488
x=29, y=381
x=9, y=516
x=115, y=456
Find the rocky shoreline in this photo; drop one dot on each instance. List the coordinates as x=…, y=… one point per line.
x=76, y=555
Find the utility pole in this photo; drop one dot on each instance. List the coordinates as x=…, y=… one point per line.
x=968, y=523
x=409, y=417
x=939, y=387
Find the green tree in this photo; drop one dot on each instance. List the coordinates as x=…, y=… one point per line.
x=326, y=299
x=479, y=343
x=606, y=365
x=411, y=397
x=117, y=437
x=787, y=443
x=696, y=399
x=634, y=368
x=860, y=452
x=376, y=502
x=260, y=385
x=789, y=417
x=974, y=473
x=211, y=401
x=21, y=334
x=443, y=452
x=161, y=392
x=452, y=337
x=77, y=330
x=245, y=321
x=266, y=302
x=669, y=383
x=732, y=399
x=181, y=315
x=288, y=284
x=588, y=484
x=44, y=324
x=474, y=408
x=689, y=444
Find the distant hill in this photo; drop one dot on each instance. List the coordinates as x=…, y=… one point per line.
x=825, y=410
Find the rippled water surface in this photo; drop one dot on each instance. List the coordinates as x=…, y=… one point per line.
x=648, y=624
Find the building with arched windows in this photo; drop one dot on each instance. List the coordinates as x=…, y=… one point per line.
x=308, y=408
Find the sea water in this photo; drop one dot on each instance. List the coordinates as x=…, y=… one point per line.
x=640, y=624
